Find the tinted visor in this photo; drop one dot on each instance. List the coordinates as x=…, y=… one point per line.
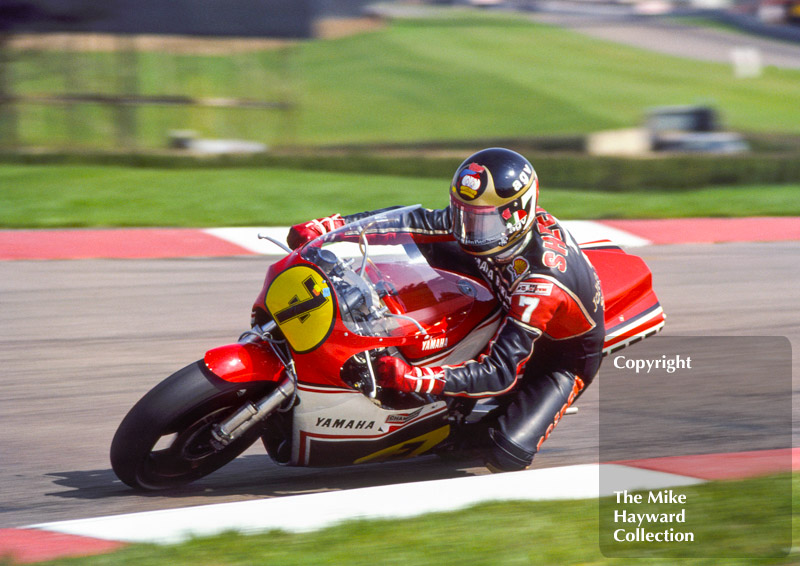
x=479, y=229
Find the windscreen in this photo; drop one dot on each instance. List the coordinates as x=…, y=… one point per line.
x=384, y=281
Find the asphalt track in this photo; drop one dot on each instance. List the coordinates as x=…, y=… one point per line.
x=671, y=37
x=626, y=24
x=81, y=341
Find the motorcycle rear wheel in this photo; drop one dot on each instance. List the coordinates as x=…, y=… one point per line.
x=165, y=440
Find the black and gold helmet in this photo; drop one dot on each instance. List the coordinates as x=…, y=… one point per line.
x=493, y=201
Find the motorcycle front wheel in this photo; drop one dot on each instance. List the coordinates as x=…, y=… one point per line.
x=165, y=439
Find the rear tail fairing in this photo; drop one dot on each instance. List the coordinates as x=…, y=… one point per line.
x=632, y=309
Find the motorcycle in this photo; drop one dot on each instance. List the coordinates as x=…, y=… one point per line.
x=303, y=377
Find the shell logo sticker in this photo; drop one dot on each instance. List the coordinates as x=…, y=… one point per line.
x=520, y=266
x=301, y=302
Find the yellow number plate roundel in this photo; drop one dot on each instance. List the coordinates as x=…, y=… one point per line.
x=301, y=302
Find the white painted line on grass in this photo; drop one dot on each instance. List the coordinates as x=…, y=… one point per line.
x=301, y=513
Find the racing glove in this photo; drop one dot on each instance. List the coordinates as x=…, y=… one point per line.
x=300, y=234
x=394, y=373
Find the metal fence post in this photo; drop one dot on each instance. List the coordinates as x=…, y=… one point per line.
x=9, y=135
x=127, y=86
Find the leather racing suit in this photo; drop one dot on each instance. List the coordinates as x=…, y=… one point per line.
x=549, y=344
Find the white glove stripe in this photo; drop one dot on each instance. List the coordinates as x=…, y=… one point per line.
x=424, y=379
x=331, y=220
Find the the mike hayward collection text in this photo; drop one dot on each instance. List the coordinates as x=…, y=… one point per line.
x=650, y=527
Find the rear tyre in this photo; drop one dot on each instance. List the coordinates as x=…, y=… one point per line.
x=165, y=439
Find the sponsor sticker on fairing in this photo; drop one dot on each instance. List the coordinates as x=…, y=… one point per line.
x=403, y=417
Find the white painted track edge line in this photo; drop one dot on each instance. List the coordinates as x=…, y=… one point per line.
x=309, y=512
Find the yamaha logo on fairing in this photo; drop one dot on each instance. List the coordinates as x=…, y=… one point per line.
x=434, y=344
x=324, y=422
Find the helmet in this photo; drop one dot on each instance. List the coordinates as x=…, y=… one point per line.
x=493, y=201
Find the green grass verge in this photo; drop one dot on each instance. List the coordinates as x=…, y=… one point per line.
x=751, y=519
x=40, y=196
x=462, y=76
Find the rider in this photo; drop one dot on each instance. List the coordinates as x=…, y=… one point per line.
x=548, y=347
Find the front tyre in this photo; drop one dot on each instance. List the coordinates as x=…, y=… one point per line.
x=165, y=439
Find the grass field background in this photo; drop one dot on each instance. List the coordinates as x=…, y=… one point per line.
x=463, y=76
x=466, y=76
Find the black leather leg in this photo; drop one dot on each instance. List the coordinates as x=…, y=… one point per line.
x=534, y=410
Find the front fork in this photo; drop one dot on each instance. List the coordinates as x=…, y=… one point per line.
x=252, y=413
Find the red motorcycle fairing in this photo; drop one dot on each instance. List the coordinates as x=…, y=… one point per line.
x=244, y=362
x=449, y=305
x=632, y=309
